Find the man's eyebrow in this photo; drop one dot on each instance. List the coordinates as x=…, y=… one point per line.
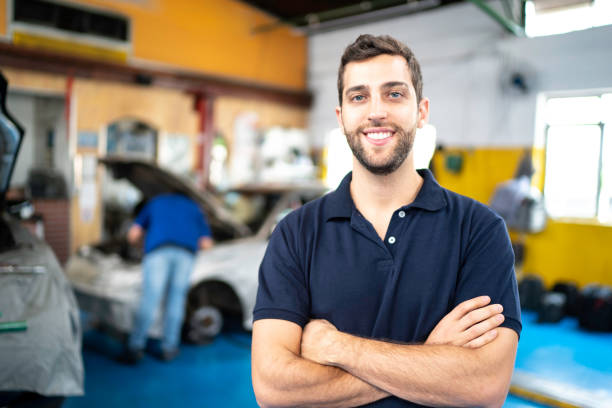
x=394, y=84
x=356, y=88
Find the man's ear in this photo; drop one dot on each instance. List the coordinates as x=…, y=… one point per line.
x=339, y=117
x=423, y=112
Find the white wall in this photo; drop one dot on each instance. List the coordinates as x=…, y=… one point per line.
x=49, y=115
x=21, y=108
x=37, y=114
x=465, y=57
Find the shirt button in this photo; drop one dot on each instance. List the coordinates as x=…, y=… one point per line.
x=392, y=240
x=401, y=214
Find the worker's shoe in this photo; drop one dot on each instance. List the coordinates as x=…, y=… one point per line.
x=131, y=356
x=169, y=355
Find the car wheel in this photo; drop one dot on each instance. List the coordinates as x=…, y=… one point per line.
x=203, y=324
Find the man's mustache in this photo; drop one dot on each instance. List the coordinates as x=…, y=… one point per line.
x=377, y=123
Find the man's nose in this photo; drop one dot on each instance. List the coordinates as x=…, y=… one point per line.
x=377, y=111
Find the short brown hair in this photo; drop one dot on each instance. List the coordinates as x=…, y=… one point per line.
x=367, y=46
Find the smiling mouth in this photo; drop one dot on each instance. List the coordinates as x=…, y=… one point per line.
x=379, y=135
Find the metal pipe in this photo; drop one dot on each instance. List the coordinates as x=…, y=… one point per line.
x=508, y=25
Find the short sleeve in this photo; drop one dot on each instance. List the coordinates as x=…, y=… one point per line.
x=282, y=292
x=144, y=216
x=488, y=269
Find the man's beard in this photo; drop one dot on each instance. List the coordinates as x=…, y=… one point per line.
x=403, y=146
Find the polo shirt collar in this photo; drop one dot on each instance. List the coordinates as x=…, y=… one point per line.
x=430, y=197
x=339, y=202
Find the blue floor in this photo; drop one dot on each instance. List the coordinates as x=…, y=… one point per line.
x=218, y=375
x=564, y=353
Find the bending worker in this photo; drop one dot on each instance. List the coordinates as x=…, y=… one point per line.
x=175, y=229
x=391, y=291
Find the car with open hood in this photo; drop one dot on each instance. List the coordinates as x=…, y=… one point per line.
x=40, y=332
x=107, y=276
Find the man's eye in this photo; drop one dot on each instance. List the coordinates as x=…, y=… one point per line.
x=358, y=98
x=395, y=94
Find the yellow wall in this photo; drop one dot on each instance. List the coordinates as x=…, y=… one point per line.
x=539, y=163
x=100, y=103
x=34, y=81
x=580, y=252
x=213, y=37
x=482, y=170
x=564, y=250
x=2, y=17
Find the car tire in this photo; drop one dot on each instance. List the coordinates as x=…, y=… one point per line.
x=203, y=324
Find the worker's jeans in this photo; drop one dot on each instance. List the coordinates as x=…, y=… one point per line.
x=166, y=271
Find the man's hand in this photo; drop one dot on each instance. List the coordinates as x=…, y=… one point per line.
x=205, y=243
x=282, y=377
x=471, y=324
x=134, y=234
x=318, y=341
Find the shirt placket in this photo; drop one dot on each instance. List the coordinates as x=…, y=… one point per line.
x=393, y=236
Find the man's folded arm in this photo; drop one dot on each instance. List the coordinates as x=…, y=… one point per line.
x=282, y=378
x=434, y=375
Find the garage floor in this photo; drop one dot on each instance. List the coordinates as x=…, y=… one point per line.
x=563, y=362
x=557, y=359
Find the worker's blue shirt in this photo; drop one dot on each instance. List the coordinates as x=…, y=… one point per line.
x=172, y=219
x=326, y=261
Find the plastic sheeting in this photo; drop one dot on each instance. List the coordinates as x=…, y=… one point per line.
x=45, y=358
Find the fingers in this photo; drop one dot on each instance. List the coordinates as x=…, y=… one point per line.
x=479, y=315
x=481, y=333
x=482, y=340
x=467, y=306
x=470, y=324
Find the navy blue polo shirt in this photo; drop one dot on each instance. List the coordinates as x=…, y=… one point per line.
x=326, y=261
x=172, y=219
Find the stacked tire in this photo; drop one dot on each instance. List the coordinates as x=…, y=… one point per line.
x=592, y=305
x=595, y=308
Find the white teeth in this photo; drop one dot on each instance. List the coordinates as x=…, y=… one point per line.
x=379, y=135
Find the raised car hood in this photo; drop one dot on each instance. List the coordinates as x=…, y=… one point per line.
x=152, y=180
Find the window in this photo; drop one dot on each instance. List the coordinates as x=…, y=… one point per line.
x=578, y=171
x=548, y=17
x=71, y=19
x=131, y=138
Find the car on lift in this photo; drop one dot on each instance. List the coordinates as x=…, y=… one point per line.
x=107, y=276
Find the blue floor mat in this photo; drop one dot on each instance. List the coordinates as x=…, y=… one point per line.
x=564, y=353
x=216, y=375
x=516, y=402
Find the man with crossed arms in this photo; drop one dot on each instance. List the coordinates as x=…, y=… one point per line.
x=388, y=292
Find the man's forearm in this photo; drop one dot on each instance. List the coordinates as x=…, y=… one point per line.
x=292, y=381
x=281, y=377
x=430, y=375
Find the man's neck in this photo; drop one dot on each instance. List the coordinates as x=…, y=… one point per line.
x=378, y=196
x=383, y=192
